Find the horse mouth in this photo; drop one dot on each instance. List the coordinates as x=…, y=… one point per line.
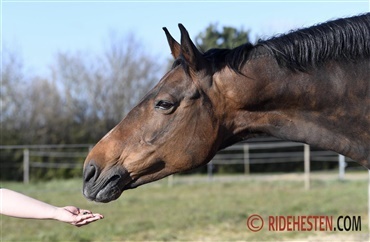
x=107, y=186
x=109, y=190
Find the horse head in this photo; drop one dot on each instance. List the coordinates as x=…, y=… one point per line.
x=174, y=128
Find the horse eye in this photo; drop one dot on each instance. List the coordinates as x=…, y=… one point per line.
x=164, y=105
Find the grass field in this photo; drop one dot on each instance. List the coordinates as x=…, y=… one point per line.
x=193, y=209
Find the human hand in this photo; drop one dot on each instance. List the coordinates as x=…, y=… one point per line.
x=76, y=216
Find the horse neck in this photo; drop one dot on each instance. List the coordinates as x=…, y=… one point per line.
x=326, y=108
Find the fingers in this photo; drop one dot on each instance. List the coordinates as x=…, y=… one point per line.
x=85, y=221
x=86, y=217
x=98, y=216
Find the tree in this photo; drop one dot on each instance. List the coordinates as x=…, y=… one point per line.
x=227, y=37
x=11, y=101
x=83, y=98
x=100, y=90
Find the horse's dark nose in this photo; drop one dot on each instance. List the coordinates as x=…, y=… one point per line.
x=91, y=172
x=90, y=176
x=104, y=185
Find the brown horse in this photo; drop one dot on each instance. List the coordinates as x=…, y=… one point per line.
x=311, y=86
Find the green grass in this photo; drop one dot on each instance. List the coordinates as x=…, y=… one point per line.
x=215, y=211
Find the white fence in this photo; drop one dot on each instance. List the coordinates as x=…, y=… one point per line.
x=273, y=155
x=246, y=154
x=67, y=159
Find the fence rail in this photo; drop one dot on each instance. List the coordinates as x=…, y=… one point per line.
x=247, y=154
x=274, y=155
x=57, y=154
x=3, y=147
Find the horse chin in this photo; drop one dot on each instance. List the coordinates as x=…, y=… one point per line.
x=135, y=183
x=112, y=192
x=108, y=194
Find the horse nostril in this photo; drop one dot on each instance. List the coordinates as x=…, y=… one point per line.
x=91, y=172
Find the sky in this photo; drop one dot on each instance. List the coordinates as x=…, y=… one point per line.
x=38, y=30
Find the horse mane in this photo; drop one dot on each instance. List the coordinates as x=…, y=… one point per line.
x=345, y=39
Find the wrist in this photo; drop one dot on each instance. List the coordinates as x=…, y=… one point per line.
x=55, y=213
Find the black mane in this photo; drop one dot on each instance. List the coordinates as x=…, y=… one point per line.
x=346, y=39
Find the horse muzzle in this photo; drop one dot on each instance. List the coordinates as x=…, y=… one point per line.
x=104, y=186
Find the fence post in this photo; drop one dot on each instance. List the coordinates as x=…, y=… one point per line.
x=342, y=166
x=306, y=166
x=170, y=181
x=209, y=170
x=246, y=159
x=26, y=166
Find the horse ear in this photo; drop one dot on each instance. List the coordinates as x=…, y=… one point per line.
x=189, y=51
x=174, y=45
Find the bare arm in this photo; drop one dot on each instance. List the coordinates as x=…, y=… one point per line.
x=21, y=206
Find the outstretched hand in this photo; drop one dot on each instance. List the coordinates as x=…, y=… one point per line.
x=18, y=205
x=76, y=216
